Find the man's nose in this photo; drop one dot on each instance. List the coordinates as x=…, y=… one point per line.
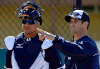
x=27, y=23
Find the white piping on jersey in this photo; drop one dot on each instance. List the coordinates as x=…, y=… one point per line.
x=14, y=62
x=96, y=54
x=40, y=63
x=75, y=66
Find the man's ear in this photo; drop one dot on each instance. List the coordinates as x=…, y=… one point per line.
x=85, y=24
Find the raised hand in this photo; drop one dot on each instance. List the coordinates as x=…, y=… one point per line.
x=44, y=34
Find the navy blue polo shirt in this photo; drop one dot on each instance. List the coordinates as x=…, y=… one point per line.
x=82, y=54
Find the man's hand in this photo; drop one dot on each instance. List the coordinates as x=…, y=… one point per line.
x=43, y=34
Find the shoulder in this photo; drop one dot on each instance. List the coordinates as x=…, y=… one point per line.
x=90, y=44
x=90, y=41
x=19, y=36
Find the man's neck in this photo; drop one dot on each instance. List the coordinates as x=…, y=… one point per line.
x=79, y=35
x=30, y=35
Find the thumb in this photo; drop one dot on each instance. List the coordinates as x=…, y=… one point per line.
x=40, y=30
x=39, y=34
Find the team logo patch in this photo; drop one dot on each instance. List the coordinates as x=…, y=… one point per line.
x=19, y=45
x=69, y=58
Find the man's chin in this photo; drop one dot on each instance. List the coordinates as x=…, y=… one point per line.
x=27, y=32
x=73, y=32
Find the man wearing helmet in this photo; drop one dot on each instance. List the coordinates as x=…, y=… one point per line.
x=27, y=51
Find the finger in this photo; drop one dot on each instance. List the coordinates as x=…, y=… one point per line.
x=41, y=37
x=40, y=30
x=39, y=34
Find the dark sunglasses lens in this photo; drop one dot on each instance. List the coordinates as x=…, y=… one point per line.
x=23, y=21
x=28, y=21
x=33, y=22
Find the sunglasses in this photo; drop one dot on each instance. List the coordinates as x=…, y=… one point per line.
x=78, y=16
x=29, y=21
x=75, y=14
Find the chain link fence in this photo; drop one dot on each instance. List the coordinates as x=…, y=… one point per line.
x=53, y=17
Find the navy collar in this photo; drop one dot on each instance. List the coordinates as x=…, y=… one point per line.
x=82, y=38
x=35, y=38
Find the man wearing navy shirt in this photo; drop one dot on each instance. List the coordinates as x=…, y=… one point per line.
x=27, y=51
x=83, y=53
